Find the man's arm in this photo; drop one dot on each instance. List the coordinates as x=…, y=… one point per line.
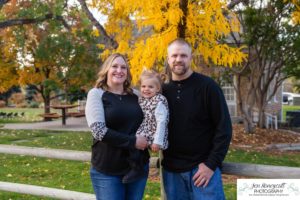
x=222, y=136
x=223, y=129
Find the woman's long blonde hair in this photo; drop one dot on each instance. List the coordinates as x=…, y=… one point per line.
x=102, y=74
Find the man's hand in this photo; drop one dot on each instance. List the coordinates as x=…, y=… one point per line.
x=141, y=142
x=202, y=176
x=155, y=147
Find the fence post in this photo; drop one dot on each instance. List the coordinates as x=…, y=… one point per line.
x=162, y=189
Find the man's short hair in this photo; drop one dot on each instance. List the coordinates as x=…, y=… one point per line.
x=180, y=41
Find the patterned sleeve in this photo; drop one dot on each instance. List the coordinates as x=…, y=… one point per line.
x=161, y=116
x=94, y=113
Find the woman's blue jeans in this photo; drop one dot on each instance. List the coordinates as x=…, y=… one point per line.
x=108, y=187
x=180, y=186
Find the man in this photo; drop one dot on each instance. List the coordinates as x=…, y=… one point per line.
x=199, y=130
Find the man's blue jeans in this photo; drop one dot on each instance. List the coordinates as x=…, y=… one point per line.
x=180, y=186
x=108, y=187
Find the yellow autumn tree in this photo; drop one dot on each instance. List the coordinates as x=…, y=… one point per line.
x=296, y=13
x=8, y=64
x=142, y=30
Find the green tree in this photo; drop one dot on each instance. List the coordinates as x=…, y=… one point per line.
x=272, y=42
x=54, y=55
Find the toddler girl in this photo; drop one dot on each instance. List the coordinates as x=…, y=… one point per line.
x=155, y=122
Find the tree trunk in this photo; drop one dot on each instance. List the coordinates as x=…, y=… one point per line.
x=249, y=127
x=245, y=109
x=47, y=105
x=261, y=115
x=6, y=101
x=46, y=98
x=261, y=105
x=261, y=119
x=248, y=121
x=183, y=4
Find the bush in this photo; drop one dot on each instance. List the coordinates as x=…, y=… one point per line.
x=17, y=98
x=21, y=105
x=2, y=104
x=33, y=104
x=38, y=98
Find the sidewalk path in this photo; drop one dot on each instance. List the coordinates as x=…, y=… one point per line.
x=72, y=124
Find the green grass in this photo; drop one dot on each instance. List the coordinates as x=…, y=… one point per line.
x=51, y=139
x=31, y=115
x=253, y=157
x=61, y=174
x=15, y=196
x=73, y=175
x=152, y=191
x=82, y=141
x=286, y=108
x=230, y=191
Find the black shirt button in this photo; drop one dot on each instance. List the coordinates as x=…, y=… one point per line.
x=178, y=91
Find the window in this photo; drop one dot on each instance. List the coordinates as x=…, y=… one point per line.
x=230, y=97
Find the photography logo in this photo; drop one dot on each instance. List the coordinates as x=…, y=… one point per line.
x=268, y=189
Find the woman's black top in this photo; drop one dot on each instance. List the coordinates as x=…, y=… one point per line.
x=114, y=120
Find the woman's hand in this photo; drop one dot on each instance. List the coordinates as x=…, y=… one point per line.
x=141, y=142
x=155, y=147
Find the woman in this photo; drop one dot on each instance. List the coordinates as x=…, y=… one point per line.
x=114, y=115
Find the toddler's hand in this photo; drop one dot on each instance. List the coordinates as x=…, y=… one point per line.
x=155, y=147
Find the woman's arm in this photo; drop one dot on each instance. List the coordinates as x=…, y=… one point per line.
x=96, y=121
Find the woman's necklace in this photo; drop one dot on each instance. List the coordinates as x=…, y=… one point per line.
x=119, y=96
x=118, y=93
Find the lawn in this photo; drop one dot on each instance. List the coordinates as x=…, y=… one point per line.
x=47, y=138
x=286, y=108
x=73, y=175
x=30, y=115
x=254, y=157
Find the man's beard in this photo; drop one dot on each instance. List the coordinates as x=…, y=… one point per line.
x=183, y=69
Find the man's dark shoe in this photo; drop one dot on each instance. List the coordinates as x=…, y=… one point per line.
x=133, y=175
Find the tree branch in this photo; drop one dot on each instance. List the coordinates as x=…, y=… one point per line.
x=107, y=40
x=2, y=2
x=65, y=4
x=16, y=22
x=233, y=3
x=56, y=96
x=63, y=21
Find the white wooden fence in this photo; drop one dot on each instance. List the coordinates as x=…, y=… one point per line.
x=45, y=191
x=263, y=171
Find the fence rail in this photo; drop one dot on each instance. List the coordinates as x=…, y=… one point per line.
x=46, y=152
x=241, y=169
x=45, y=191
x=261, y=171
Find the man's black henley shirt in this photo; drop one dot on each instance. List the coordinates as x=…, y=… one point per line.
x=200, y=127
